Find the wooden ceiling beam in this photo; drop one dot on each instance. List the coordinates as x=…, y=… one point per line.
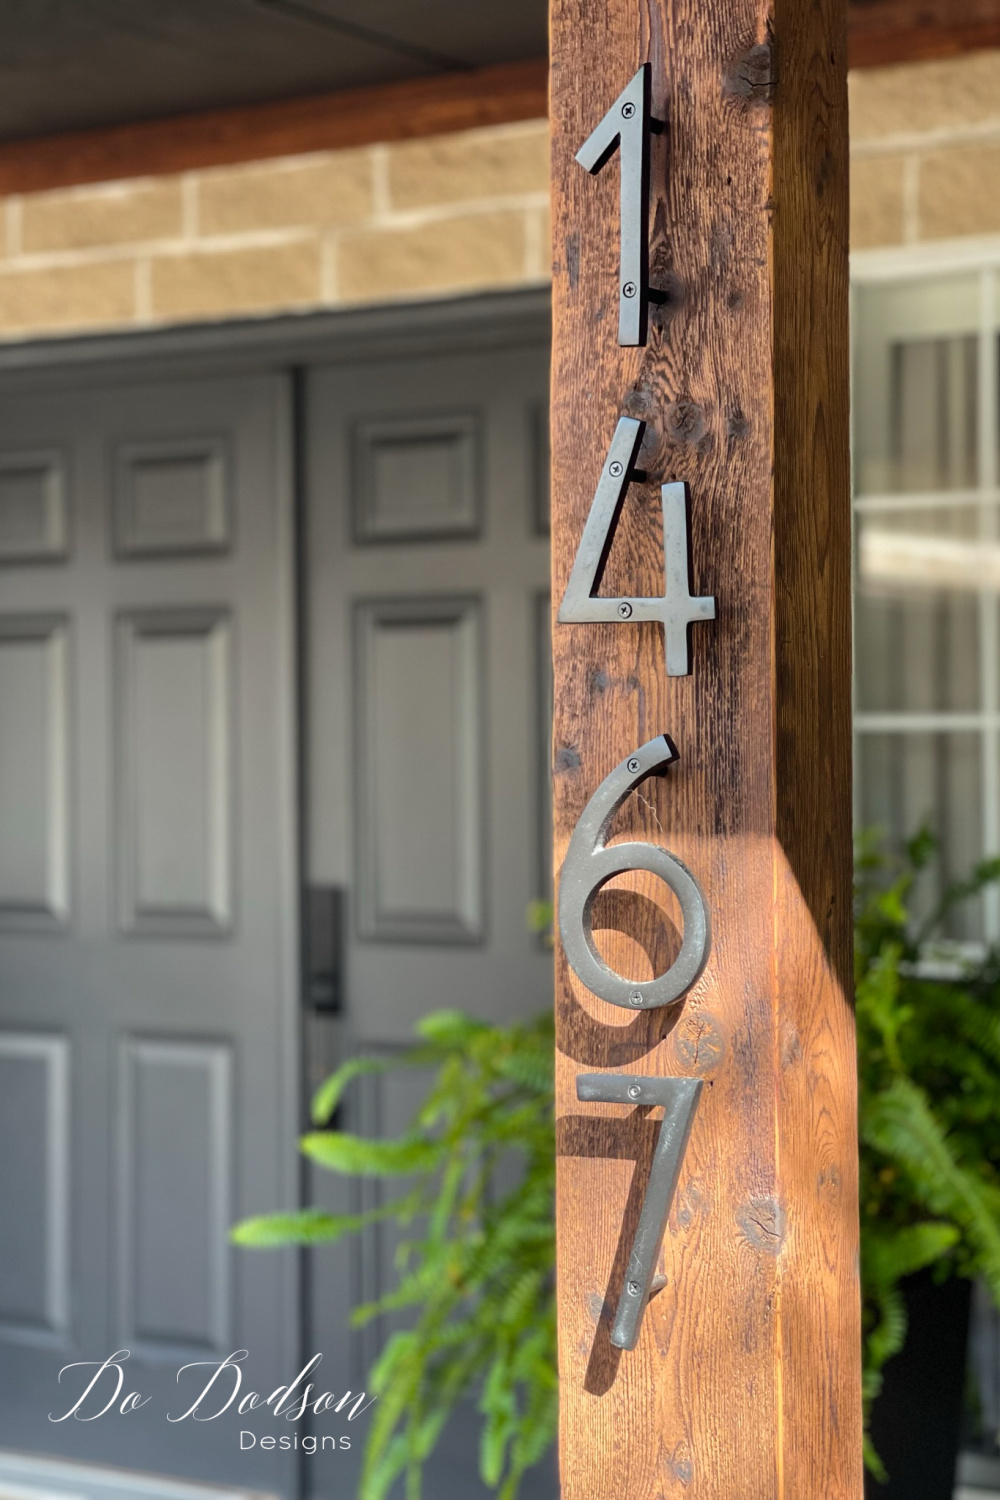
x=286, y=127
x=882, y=32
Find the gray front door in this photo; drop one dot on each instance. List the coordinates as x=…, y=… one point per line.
x=426, y=579
x=147, y=886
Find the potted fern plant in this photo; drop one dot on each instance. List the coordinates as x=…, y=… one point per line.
x=476, y=1266
x=929, y=1124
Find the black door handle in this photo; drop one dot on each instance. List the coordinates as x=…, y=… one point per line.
x=323, y=948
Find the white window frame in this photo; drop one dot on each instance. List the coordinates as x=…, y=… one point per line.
x=979, y=255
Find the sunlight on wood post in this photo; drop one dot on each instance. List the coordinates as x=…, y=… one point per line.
x=745, y=1381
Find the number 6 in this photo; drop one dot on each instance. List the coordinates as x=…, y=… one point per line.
x=590, y=864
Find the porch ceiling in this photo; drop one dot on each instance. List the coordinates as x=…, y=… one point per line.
x=76, y=64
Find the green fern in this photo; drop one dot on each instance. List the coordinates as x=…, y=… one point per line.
x=929, y=1078
x=477, y=1268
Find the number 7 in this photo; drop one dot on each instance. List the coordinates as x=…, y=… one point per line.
x=679, y=1097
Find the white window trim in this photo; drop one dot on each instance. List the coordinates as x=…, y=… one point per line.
x=896, y=264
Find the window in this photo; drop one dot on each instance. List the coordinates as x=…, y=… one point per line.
x=927, y=618
x=927, y=530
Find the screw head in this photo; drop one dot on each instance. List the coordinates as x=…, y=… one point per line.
x=634, y=1091
x=632, y=764
x=628, y=110
x=633, y=1288
x=629, y=289
x=625, y=609
x=635, y=998
x=615, y=469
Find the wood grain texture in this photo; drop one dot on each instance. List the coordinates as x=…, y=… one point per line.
x=287, y=127
x=745, y=1384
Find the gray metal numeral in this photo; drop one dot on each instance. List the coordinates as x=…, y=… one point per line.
x=628, y=124
x=679, y=1097
x=590, y=864
x=676, y=609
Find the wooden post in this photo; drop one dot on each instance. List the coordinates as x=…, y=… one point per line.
x=745, y=1384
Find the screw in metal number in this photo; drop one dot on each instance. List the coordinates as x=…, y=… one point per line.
x=616, y=469
x=633, y=1289
x=628, y=290
x=625, y=609
x=628, y=110
x=634, y=1091
x=633, y=764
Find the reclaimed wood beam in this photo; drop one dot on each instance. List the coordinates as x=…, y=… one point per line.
x=745, y=1380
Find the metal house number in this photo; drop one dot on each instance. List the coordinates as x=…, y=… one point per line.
x=590, y=861
x=627, y=125
x=679, y=1097
x=590, y=864
x=675, y=608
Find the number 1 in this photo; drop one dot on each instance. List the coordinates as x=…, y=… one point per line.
x=628, y=124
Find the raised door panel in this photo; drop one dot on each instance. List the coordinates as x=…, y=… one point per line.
x=33, y=519
x=417, y=477
x=174, y=711
x=172, y=497
x=420, y=844
x=34, y=765
x=34, y=1187
x=174, y=1197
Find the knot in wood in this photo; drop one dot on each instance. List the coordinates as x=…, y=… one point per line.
x=762, y=1220
x=684, y=422
x=699, y=1044
x=750, y=75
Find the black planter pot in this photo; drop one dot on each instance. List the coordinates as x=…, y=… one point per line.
x=917, y=1417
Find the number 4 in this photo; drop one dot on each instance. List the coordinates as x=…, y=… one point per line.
x=676, y=609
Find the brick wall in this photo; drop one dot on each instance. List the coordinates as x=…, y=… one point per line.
x=419, y=218
x=430, y=217
x=925, y=151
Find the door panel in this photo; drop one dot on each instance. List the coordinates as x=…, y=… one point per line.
x=426, y=566
x=147, y=959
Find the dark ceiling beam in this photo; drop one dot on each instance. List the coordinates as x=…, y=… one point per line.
x=882, y=32
x=288, y=127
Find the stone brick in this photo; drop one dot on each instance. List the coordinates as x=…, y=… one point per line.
x=479, y=164
x=89, y=296
x=876, y=201
x=330, y=189
x=485, y=249
x=960, y=192
x=221, y=283
x=917, y=97
x=113, y=214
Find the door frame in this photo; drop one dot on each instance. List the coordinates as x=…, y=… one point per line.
x=483, y=321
